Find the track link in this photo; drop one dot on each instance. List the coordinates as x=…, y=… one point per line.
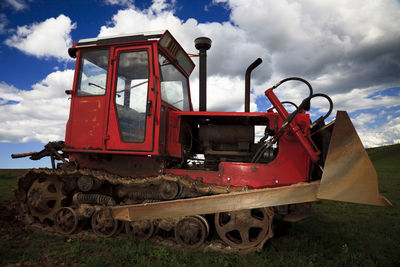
x=81, y=194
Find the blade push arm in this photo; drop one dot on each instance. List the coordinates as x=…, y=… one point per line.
x=304, y=139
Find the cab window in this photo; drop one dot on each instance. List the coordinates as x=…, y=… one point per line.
x=93, y=73
x=131, y=95
x=174, y=89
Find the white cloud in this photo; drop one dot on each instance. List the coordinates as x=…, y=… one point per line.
x=223, y=94
x=364, y=118
x=36, y=115
x=324, y=42
x=346, y=49
x=3, y=23
x=9, y=93
x=386, y=134
x=353, y=100
x=17, y=5
x=159, y=6
x=124, y=3
x=359, y=98
x=228, y=57
x=50, y=38
x=357, y=41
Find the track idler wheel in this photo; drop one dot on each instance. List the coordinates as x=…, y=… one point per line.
x=103, y=224
x=44, y=198
x=191, y=231
x=66, y=220
x=140, y=230
x=168, y=190
x=244, y=228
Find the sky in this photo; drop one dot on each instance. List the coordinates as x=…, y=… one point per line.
x=349, y=50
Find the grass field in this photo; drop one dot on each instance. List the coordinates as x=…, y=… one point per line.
x=337, y=234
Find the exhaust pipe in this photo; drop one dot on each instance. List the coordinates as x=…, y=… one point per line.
x=253, y=65
x=203, y=44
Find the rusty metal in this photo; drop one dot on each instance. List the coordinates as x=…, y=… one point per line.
x=168, y=190
x=348, y=174
x=87, y=183
x=243, y=228
x=259, y=198
x=44, y=198
x=138, y=194
x=103, y=225
x=84, y=211
x=95, y=199
x=201, y=218
x=167, y=224
x=114, y=179
x=253, y=65
x=190, y=232
x=140, y=230
x=161, y=181
x=123, y=165
x=50, y=149
x=22, y=155
x=66, y=220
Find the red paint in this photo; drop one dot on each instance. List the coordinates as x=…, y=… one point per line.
x=114, y=140
x=87, y=119
x=290, y=166
x=93, y=137
x=304, y=138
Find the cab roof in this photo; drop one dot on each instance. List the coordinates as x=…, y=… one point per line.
x=143, y=36
x=164, y=39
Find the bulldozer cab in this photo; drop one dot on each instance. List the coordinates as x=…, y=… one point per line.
x=135, y=151
x=124, y=87
x=131, y=98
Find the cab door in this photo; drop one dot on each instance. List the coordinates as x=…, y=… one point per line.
x=88, y=114
x=131, y=117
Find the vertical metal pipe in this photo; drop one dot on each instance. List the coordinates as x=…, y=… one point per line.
x=127, y=93
x=253, y=65
x=203, y=81
x=203, y=44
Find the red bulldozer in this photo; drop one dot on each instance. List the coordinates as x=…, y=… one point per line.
x=137, y=155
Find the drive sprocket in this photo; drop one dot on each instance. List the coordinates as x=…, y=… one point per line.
x=244, y=228
x=44, y=198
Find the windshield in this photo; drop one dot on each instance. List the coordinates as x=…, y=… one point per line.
x=131, y=94
x=174, y=85
x=93, y=73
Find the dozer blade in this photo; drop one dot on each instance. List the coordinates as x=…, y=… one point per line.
x=255, y=198
x=348, y=174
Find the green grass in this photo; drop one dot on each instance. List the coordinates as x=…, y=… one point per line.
x=337, y=234
x=7, y=182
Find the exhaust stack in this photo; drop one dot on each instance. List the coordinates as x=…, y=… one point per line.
x=203, y=44
x=253, y=65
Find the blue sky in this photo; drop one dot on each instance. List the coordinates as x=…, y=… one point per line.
x=346, y=49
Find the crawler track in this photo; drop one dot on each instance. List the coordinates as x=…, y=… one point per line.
x=63, y=199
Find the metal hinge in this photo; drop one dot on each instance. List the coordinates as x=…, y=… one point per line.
x=113, y=58
x=106, y=138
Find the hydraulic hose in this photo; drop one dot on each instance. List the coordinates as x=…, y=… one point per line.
x=322, y=118
x=305, y=141
x=295, y=79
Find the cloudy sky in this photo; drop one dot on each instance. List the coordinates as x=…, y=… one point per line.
x=349, y=50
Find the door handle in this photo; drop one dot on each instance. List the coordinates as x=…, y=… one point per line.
x=148, y=108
